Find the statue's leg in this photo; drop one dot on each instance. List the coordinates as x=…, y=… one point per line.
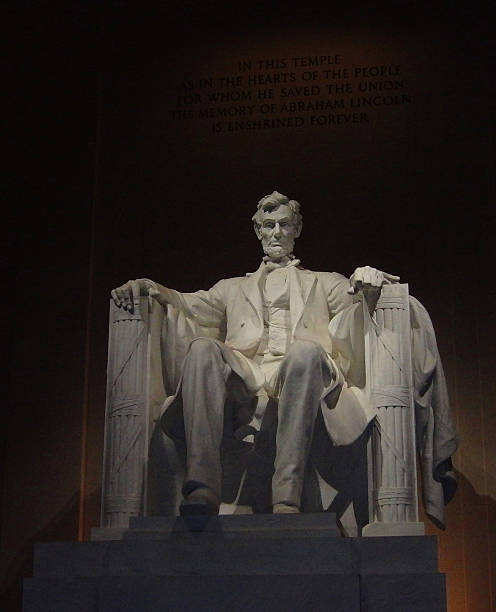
x=204, y=390
x=304, y=373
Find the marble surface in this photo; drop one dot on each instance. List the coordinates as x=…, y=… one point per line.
x=362, y=326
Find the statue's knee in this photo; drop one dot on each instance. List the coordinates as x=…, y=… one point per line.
x=304, y=353
x=203, y=347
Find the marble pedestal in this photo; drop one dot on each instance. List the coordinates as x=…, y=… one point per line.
x=258, y=562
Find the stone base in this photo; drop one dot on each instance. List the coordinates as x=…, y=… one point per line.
x=185, y=594
x=260, y=562
x=105, y=534
x=393, y=529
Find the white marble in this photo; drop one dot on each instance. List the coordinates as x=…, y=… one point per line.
x=276, y=318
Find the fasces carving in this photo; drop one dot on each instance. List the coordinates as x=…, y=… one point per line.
x=393, y=482
x=126, y=439
x=283, y=372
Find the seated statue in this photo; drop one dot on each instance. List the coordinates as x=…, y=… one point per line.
x=291, y=335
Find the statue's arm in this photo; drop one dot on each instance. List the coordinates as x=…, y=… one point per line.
x=205, y=307
x=364, y=284
x=349, y=319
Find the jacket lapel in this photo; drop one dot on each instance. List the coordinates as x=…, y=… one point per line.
x=301, y=284
x=253, y=292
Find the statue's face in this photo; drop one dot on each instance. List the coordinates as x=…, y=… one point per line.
x=278, y=232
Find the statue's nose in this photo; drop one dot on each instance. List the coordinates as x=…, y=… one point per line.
x=277, y=230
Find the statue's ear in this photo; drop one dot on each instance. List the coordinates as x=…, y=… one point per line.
x=299, y=227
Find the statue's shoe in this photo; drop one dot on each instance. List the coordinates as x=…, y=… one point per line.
x=285, y=509
x=200, y=501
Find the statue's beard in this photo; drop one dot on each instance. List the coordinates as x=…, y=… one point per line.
x=279, y=252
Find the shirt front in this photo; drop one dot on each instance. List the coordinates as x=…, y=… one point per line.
x=277, y=319
x=276, y=337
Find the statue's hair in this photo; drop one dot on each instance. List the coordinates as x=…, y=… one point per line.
x=273, y=201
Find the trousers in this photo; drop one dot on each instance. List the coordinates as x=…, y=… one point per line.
x=208, y=381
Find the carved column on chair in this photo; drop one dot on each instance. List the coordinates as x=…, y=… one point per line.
x=393, y=502
x=126, y=418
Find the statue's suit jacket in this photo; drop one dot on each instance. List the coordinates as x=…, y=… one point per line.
x=236, y=305
x=314, y=298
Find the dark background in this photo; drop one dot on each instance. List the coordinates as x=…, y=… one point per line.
x=102, y=186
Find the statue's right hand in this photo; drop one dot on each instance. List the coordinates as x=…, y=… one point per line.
x=125, y=295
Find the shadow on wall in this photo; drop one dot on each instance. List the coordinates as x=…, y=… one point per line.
x=481, y=472
x=467, y=549
x=63, y=527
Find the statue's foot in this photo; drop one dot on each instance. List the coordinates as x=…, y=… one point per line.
x=285, y=509
x=200, y=501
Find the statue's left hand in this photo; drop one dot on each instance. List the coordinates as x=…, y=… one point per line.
x=370, y=281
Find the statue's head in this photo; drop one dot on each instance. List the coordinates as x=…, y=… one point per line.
x=277, y=224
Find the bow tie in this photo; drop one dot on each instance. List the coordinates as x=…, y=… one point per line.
x=273, y=265
x=268, y=266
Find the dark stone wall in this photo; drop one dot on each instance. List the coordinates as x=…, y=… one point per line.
x=105, y=184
